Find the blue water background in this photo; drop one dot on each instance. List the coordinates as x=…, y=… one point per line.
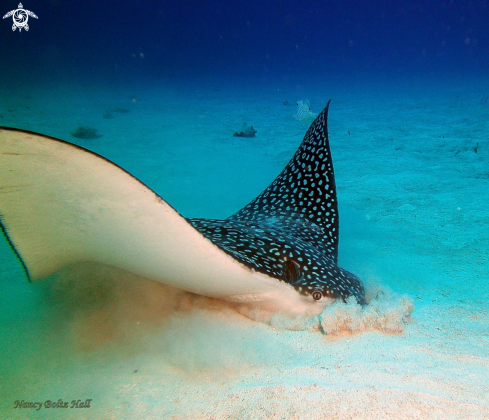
x=251, y=39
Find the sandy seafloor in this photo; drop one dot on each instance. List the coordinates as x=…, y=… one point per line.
x=414, y=219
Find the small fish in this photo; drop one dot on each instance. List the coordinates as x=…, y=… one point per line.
x=304, y=112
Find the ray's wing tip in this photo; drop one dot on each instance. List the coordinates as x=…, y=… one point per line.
x=4, y=231
x=320, y=123
x=326, y=109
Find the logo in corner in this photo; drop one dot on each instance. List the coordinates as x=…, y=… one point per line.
x=20, y=17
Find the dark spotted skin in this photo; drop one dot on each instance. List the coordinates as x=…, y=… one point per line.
x=290, y=231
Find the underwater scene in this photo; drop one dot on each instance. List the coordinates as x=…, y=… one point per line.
x=270, y=209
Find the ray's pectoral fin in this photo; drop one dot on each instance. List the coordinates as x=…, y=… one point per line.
x=291, y=230
x=61, y=204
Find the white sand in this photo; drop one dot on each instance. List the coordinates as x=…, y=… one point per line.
x=414, y=225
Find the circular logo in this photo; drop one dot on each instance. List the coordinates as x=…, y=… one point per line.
x=20, y=18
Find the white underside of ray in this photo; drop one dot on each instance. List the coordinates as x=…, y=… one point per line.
x=61, y=204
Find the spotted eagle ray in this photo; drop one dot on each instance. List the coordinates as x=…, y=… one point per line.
x=61, y=204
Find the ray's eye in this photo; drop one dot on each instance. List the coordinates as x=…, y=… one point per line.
x=317, y=295
x=292, y=272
